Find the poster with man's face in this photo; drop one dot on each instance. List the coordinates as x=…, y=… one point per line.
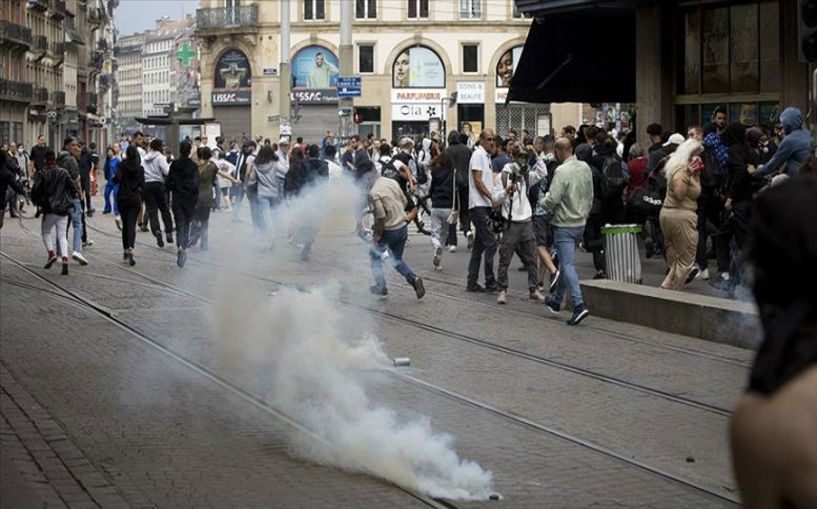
x=233, y=71
x=315, y=67
x=507, y=66
x=418, y=67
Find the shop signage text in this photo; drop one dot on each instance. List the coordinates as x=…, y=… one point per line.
x=231, y=97
x=471, y=92
x=418, y=95
x=315, y=96
x=417, y=112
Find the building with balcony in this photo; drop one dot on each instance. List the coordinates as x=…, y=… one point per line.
x=410, y=55
x=128, y=103
x=16, y=86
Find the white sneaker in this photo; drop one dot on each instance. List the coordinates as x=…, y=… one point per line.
x=452, y=249
x=438, y=254
x=537, y=296
x=502, y=298
x=470, y=237
x=88, y=243
x=79, y=258
x=704, y=275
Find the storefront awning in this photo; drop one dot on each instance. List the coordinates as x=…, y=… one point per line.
x=542, y=7
x=578, y=56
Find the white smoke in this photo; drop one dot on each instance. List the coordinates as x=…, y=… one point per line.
x=316, y=356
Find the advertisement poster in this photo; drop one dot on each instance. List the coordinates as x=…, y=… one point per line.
x=315, y=67
x=232, y=71
x=507, y=66
x=418, y=67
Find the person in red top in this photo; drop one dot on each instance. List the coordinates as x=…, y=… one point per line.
x=637, y=167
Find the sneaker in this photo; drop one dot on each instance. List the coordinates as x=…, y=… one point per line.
x=64, y=271
x=600, y=274
x=118, y=221
x=105, y=212
x=470, y=237
x=452, y=249
x=131, y=261
x=376, y=290
x=170, y=238
x=554, y=279
x=491, y=288
x=703, y=275
x=552, y=305
x=475, y=288
x=537, y=296
x=143, y=227
x=125, y=256
x=693, y=273
x=181, y=257
x=90, y=213
x=52, y=257
x=502, y=298
x=419, y=289
x=87, y=243
x=79, y=258
x=554, y=255
x=579, y=314
x=438, y=253
x=159, y=241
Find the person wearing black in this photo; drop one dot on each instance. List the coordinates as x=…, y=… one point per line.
x=774, y=451
x=655, y=132
x=243, y=165
x=592, y=238
x=7, y=179
x=156, y=170
x=38, y=152
x=207, y=179
x=131, y=179
x=442, y=201
x=315, y=172
x=69, y=160
x=88, y=160
x=183, y=184
x=460, y=156
x=54, y=192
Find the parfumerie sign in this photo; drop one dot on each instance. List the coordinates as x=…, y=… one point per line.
x=231, y=97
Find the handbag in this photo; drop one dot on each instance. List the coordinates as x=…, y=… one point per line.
x=454, y=215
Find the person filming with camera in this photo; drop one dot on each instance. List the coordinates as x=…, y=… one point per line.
x=511, y=196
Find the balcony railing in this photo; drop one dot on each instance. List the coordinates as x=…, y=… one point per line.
x=58, y=10
x=41, y=43
x=15, y=33
x=16, y=90
x=40, y=96
x=58, y=98
x=243, y=16
x=38, y=5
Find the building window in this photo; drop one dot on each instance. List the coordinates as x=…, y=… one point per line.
x=470, y=9
x=365, y=58
x=470, y=58
x=5, y=132
x=314, y=9
x=417, y=9
x=730, y=49
x=366, y=9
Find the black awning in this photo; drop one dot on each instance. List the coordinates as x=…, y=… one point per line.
x=582, y=56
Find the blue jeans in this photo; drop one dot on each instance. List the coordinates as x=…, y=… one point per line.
x=112, y=187
x=238, y=197
x=566, y=239
x=395, y=242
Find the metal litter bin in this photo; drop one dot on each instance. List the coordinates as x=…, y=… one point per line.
x=621, y=248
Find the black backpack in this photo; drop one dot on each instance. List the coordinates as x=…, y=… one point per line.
x=615, y=177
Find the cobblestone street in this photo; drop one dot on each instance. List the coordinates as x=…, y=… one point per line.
x=114, y=393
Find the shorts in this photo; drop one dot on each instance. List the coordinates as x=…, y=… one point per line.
x=540, y=230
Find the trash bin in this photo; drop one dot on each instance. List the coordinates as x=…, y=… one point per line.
x=621, y=247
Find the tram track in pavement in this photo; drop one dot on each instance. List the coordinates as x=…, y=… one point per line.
x=428, y=386
x=65, y=293
x=565, y=366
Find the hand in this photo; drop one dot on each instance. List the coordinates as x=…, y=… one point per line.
x=751, y=169
x=728, y=205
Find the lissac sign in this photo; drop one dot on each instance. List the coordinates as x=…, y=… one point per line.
x=231, y=98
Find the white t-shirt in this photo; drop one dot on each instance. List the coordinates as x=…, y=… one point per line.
x=482, y=162
x=228, y=168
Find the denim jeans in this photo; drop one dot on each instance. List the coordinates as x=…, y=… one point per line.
x=566, y=239
x=76, y=222
x=111, y=187
x=484, y=244
x=395, y=242
x=238, y=196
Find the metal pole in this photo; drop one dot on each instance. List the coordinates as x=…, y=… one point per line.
x=285, y=80
x=346, y=55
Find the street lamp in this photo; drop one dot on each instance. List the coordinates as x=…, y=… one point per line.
x=452, y=101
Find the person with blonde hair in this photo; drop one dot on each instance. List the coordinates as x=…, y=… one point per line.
x=679, y=216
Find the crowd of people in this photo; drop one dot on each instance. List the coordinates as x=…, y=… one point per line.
x=541, y=198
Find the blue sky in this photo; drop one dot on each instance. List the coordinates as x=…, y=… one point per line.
x=139, y=15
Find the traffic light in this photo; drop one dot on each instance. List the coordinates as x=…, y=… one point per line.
x=807, y=30
x=358, y=118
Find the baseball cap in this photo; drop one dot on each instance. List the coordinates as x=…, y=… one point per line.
x=675, y=139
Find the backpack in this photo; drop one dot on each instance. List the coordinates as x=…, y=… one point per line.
x=39, y=189
x=615, y=177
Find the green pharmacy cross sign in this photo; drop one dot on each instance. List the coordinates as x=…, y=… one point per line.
x=185, y=54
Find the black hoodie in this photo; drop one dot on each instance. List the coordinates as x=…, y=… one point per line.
x=183, y=181
x=131, y=178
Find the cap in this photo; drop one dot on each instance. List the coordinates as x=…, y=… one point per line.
x=675, y=139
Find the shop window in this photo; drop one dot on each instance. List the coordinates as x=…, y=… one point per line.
x=314, y=9
x=417, y=9
x=470, y=58
x=470, y=9
x=730, y=49
x=366, y=9
x=365, y=58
